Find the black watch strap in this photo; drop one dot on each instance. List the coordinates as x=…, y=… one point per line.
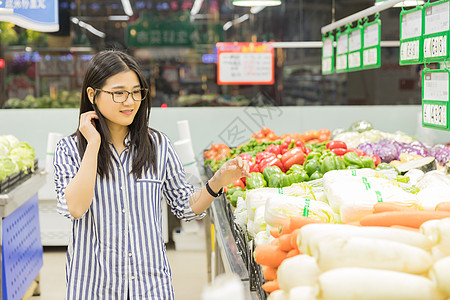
x=211, y=192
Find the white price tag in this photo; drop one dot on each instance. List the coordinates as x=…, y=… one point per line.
x=327, y=48
x=435, y=114
x=246, y=67
x=354, y=40
x=342, y=44
x=326, y=64
x=437, y=18
x=341, y=62
x=409, y=50
x=370, y=57
x=354, y=60
x=435, y=86
x=371, y=35
x=411, y=25
x=435, y=46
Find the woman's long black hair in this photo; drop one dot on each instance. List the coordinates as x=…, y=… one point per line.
x=102, y=66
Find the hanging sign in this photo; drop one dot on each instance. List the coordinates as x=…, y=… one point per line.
x=245, y=63
x=327, y=55
x=411, y=41
x=37, y=15
x=355, y=41
x=371, y=45
x=435, y=99
x=342, y=52
x=436, y=32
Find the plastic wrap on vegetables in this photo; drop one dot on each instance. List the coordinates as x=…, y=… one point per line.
x=240, y=213
x=280, y=208
x=352, y=194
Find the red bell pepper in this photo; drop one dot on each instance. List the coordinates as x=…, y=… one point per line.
x=336, y=144
x=273, y=148
x=290, y=143
x=339, y=151
x=295, y=156
x=270, y=161
x=301, y=145
x=254, y=168
x=376, y=159
x=246, y=156
x=263, y=155
x=357, y=151
x=239, y=183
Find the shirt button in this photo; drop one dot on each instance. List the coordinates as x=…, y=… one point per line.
x=129, y=254
x=121, y=187
x=120, y=167
x=132, y=277
x=124, y=210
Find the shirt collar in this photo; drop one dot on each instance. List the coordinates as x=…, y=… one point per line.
x=127, y=140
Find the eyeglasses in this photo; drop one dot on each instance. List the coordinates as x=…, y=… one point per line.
x=122, y=95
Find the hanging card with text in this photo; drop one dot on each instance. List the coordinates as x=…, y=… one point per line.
x=245, y=63
x=371, y=45
x=411, y=41
x=435, y=99
x=436, y=31
x=342, y=52
x=328, y=55
x=355, y=41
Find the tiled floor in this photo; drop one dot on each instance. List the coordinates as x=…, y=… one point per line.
x=189, y=271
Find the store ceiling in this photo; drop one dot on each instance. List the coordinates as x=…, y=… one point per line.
x=97, y=12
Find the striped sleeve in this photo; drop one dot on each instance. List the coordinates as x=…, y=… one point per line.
x=176, y=189
x=66, y=167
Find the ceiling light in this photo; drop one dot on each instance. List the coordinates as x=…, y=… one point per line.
x=127, y=7
x=256, y=2
x=405, y=3
x=118, y=18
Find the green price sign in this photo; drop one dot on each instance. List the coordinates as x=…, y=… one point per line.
x=342, y=52
x=436, y=31
x=435, y=99
x=355, y=41
x=328, y=55
x=371, y=45
x=411, y=41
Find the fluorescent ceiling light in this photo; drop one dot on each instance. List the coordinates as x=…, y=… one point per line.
x=405, y=3
x=241, y=19
x=256, y=9
x=196, y=7
x=256, y=2
x=88, y=27
x=118, y=18
x=127, y=7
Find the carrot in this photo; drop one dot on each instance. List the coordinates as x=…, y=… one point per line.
x=297, y=222
x=404, y=218
x=285, y=229
x=285, y=242
x=292, y=253
x=405, y=228
x=386, y=206
x=269, y=255
x=275, y=232
x=271, y=286
x=269, y=273
x=443, y=206
x=294, y=236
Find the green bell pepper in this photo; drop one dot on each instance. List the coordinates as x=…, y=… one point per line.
x=255, y=181
x=296, y=177
x=332, y=162
x=312, y=166
x=235, y=196
x=315, y=175
x=275, y=181
x=235, y=189
x=313, y=155
x=269, y=171
x=295, y=169
x=351, y=158
x=368, y=162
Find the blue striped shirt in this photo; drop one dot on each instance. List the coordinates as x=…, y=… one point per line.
x=117, y=248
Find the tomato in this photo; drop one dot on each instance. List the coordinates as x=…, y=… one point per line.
x=357, y=151
x=272, y=136
x=339, y=151
x=239, y=183
x=265, y=130
x=336, y=144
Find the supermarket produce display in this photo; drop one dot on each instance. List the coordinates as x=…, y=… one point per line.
x=357, y=214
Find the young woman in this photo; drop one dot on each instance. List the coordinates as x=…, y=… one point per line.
x=110, y=177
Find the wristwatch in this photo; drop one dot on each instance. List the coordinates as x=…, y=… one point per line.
x=211, y=192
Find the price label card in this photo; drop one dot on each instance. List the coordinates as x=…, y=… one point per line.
x=342, y=52
x=354, y=60
x=341, y=63
x=411, y=41
x=354, y=47
x=436, y=37
x=435, y=99
x=328, y=55
x=342, y=44
x=371, y=56
x=354, y=40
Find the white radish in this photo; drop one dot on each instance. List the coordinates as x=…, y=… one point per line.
x=299, y=270
x=303, y=293
x=372, y=284
x=372, y=253
x=278, y=295
x=440, y=275
x=438, y=231
x=310, y=235
x=438, y=253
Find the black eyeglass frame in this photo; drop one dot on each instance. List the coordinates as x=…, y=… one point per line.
x=125, y=91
